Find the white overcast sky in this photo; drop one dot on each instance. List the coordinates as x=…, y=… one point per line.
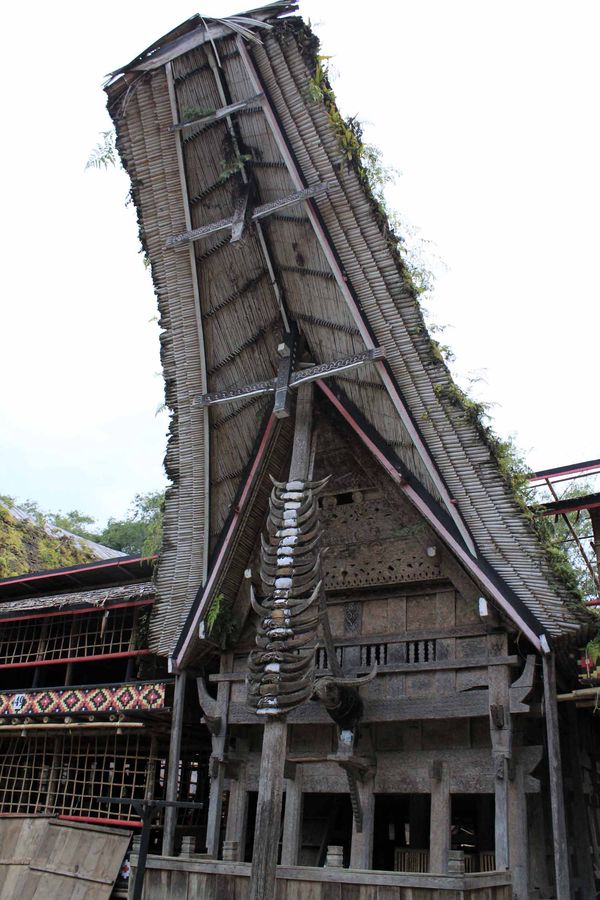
x=489, y=109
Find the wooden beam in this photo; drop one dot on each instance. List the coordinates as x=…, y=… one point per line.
x=282, y=403
x=295, y=379
x=173, y=769
x=557, y=800
x=238, y=220
x=218, y=114
x=260, y=212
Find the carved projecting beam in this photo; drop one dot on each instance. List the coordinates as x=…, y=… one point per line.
x=260, y=212
x=303, y=376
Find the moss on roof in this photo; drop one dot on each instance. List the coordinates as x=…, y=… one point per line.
x=26, y=546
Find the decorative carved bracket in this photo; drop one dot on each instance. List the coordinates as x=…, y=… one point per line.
x=210, y=707
x=522, y=687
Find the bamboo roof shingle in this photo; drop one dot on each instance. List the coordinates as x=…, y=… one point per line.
x=215, y=121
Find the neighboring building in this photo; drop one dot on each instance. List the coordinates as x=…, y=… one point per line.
x=400, y=688
x=85, y=713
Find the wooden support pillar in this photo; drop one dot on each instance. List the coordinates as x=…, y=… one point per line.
x=501, y=735
x=237, y=809
x=274, y=749
x=518, y=834
x=173, y=769
x=217, y=763
x=361, y=852
x=557, y=800
x=584, y=850
x=292, y=818
x=268, y=810
x=439, y=831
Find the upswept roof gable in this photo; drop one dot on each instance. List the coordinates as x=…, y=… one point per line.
x=219, y=132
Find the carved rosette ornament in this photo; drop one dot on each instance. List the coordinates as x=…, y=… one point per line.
x=281, y=669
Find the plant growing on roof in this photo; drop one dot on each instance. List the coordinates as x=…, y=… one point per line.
x=220, y=621
x=104, y=153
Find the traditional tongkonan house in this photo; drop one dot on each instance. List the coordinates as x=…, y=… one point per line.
x=348, y=574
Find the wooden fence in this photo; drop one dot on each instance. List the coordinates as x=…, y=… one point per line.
x=185, y=879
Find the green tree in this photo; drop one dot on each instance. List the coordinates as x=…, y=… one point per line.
x=141, y=530
x=563, y=537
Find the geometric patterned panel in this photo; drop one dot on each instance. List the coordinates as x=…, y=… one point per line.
x=65, y=701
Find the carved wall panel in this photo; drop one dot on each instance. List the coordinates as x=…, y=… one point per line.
x=385, y=562
x=371, y=543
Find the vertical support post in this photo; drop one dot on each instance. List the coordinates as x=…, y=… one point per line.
x=292, y=818
x=237, y=809
x=274, y=749
x=268, y=810
x=217, y=763
x=439, y=831
x=151, y=770
x=173, y=770
x=361, y=851
x=557, y=800
x=501, y=736
x=584, y=850
x=518, y=835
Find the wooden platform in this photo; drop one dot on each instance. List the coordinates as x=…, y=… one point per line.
x=185, y=879
x=45, y=857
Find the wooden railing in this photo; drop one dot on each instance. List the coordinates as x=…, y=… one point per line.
x=172, y=876
x=412, y=860
x=408, y=860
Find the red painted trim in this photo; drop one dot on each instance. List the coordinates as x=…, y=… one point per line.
x=105, y=564
x=544, y=474
x=97, y=821
x=72, y=612
x=574, y=507
x=417, y=502
x=74, y=659
x=230, y=533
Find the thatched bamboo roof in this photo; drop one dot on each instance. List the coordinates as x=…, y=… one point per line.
x=100, y=598
x=215, y=121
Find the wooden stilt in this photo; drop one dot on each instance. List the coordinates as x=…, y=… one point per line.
x=517, y=819
x=268, y=810
x=361, y=851
x=237, y=808
x=173, y=772
x=557, y=801
x=501, y=736
x=292, y=820
x=582, y=837
x=439, y=832
x=217, y=764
